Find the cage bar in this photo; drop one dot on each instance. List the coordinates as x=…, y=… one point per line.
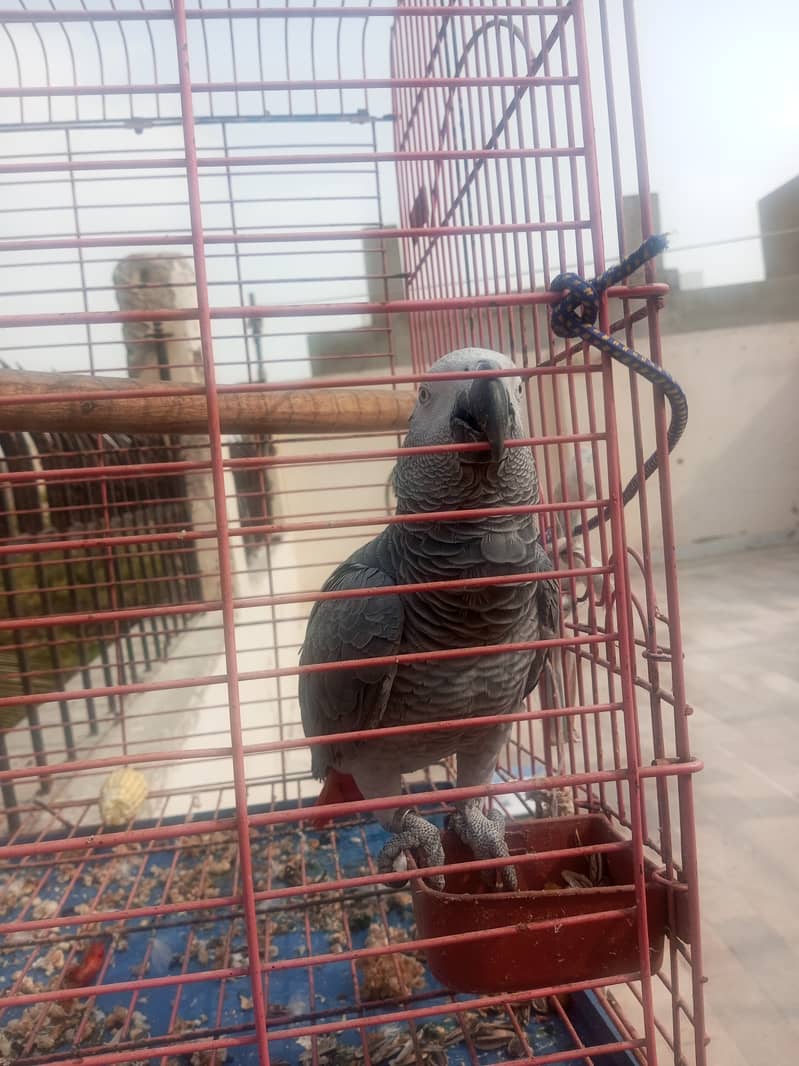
x=218, y=207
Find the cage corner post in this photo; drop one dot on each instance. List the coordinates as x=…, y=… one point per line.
x=223, y=532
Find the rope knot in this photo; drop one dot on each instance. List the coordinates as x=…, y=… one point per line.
x=566, y=322
x=575, y=315
x=578, y=309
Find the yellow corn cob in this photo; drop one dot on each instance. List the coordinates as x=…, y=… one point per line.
x=122, y=796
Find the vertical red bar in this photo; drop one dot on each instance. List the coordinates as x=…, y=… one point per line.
x=620, y=573
x=220, y=511
x=684, y=786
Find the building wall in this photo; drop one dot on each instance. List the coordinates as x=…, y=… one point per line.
x=735, y=473
x=779, y=215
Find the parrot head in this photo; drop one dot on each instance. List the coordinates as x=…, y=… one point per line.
x=484, y=410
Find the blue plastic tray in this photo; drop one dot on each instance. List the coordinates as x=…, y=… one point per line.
x=304, y=995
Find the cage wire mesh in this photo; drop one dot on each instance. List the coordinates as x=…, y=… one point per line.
x=234, y=205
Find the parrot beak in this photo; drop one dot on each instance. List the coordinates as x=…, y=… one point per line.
x=484, y=414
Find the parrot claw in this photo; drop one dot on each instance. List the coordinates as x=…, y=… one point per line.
x=485, y=835
x=412, y=833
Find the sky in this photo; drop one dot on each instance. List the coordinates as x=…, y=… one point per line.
x=720, y=82
x=721, y=90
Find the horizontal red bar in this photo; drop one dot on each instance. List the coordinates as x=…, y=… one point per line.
x=291, y=744
x=137, y=984
x=298, y=235
x=509, y=299
x=292, y=527
x=187, y=1048
x=179, y=980
x=680, y=767
x=232, y=14
x=181, y=1049
x=425, y=944
x=314, y=159
x=39, y=848
x=144, y=984
x=127, y=391
x=334, y=810
x=312, y=888
x=58, y=695
x=296, y=85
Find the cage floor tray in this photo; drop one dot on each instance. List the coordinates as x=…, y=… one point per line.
x=191, y=942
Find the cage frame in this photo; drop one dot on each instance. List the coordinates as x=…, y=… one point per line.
x=429, y=315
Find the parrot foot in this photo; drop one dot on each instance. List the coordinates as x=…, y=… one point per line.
x=416, y=834
x=485, y=835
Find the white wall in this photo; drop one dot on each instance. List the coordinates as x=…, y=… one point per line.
x=735, y=473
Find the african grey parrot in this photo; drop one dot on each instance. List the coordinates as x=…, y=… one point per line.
x=488, y=410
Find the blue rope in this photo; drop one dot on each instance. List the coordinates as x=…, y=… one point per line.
x=575, y=315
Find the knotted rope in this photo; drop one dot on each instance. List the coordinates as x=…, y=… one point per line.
x=574, y=316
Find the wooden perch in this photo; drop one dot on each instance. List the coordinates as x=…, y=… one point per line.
x=290, y=411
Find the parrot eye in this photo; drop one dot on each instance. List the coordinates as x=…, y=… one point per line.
x=424, y=394
x=520, y=388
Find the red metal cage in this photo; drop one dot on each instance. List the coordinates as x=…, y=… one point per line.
x=235, y=237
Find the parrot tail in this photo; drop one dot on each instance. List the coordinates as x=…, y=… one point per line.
x=338, y=788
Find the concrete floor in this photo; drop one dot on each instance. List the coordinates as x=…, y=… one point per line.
x=740, y=618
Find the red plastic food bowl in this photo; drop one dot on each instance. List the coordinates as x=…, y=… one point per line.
x=553, y=954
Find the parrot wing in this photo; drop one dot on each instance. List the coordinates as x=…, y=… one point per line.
x=548, y=603
x=334, y=701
